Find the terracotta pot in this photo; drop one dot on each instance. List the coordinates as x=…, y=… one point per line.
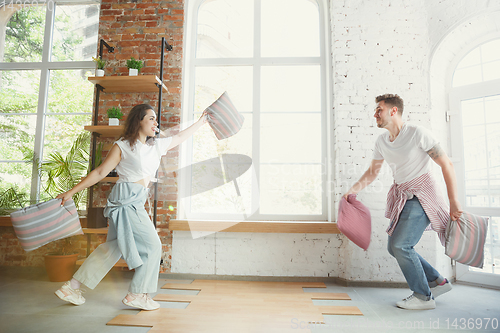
x=60, y=268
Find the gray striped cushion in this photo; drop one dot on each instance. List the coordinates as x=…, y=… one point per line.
x=45, y=222
x=465, y=239
x=223, y=117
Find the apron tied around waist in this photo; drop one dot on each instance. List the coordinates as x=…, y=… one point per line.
x=122, y=205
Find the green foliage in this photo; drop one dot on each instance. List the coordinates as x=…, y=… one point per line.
x=24, y=35
x=98, y=154
x=114, y=112
x=12, y=199
x=135, y=64
x=61, y=173
x=99, y=62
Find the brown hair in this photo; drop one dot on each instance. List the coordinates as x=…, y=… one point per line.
x=132, y=124
x=392, y=100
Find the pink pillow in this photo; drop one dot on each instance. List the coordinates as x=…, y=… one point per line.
x=354, y=221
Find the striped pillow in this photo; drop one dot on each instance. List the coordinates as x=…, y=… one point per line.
x=465, y=239
x=223, y=117
x=45, y=222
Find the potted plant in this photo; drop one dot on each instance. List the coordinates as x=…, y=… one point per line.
x=59, y=174
x=134, y=66
x=100, y=66
x=114, y=115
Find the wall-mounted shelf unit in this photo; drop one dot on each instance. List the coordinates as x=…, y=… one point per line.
x=105, y=131
x=125, y=84
x=131, y=84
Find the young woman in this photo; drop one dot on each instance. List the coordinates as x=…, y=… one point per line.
x=131, y=234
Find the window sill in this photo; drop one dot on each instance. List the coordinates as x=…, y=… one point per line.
x=281, y=227
x=5, y=221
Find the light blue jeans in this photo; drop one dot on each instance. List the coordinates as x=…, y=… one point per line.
x=145, y=237
x=417, y=271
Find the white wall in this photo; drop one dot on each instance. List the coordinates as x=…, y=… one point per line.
x=378, y=46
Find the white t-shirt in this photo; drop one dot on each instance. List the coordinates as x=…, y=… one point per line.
x=142, y=160
x=407, y=154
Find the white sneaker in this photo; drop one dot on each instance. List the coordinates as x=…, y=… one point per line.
x=68, y=294
x=152, y=302
x=413, y=303
x=140, y=301
x=439, y=290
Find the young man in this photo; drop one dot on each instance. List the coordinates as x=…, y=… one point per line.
x=413, y=202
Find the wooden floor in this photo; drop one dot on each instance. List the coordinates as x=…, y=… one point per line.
x=239, y=306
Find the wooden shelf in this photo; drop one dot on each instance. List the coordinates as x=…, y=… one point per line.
x=261, y=227
x=128, y=84
x=105, y=131
x=5, y=221
x=100, y=231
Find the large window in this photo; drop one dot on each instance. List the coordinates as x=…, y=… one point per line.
x=45, y=98
x=270, y=57
x=475, y=99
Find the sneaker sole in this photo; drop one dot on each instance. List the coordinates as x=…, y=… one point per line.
x=138, y=307
x=426, y=308
x=61, y=296
x=444, y=289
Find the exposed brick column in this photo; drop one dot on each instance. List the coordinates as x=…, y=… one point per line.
x=135, y=29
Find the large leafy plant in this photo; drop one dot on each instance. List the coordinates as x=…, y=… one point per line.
x=12, y=199
x=61, y=173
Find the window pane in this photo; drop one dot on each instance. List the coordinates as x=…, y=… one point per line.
x=75, y=33
x=468, y=75
x=211, y=82
x=62, y=130
x=479, y=65
x=290, y=28
x=491, y=248
x=492, y=105
x=491, y=70
x=290, y=138
x=481, y=152
x=17, y=137
x=24, y=34
x=211, y=194
x=473, y=58
x=472, y=112
x=291, y=177
x=291, y=189
x=280, y=83
x=490, y=51
x=70, y=91
x=18, y=177
x=19, y=91
x=225, y=29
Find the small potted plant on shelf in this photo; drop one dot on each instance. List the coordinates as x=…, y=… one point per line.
x=114, y=115
x=134, y=66
x=100, y=66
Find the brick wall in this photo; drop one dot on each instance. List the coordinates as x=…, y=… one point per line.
x=135, y=29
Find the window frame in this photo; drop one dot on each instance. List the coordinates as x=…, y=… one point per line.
x=257, y=62
x=455, y=97
x=44, y=66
